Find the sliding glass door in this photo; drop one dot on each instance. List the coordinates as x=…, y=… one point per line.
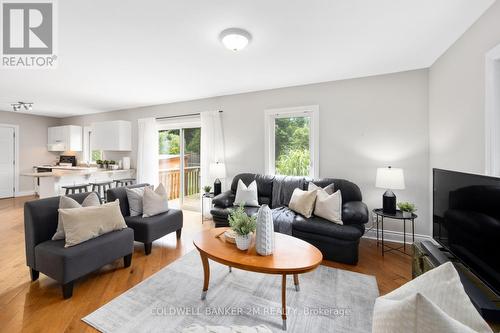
x=179, y=166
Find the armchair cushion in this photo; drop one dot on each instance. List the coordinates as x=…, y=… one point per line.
x=148, y=229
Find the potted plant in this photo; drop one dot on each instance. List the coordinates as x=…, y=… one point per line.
x=207, y=188
x=99, y=163
x=243, y=225
x=407, y=209
x=106, y=163
x=112, y=165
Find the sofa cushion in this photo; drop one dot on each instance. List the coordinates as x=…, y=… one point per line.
x=66, y=202
x=246, y=195
x=154, y=202
x=148, y=229
x=317, y=225
x=82, y=224
x=121, y=193
x=67, y=264
x=302, y=202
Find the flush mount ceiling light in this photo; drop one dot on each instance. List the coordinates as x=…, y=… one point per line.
x=235, y=39
x=22, y=105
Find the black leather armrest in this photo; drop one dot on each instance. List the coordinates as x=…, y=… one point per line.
x=224, y=200
x=354, y=212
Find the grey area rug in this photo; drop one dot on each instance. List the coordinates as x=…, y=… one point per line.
x=329, y=300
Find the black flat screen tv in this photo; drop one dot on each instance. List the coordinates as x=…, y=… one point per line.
x=466, y=221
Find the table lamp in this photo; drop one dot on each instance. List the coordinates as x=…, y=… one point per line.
x=390, y=178
x=218, y=170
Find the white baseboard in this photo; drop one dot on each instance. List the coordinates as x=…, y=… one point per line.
x=395, y=236
x=24, y=193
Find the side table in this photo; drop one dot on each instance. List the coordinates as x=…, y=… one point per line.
x=397, y=216
x=209, y=196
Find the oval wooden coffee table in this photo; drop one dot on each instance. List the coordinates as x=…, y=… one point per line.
x=291, y=256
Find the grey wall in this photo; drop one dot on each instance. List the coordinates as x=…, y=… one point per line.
x=364, y=124
x=457, y=98
x=32, y=143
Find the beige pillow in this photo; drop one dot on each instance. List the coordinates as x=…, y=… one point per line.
x=329, y=206
x=81, y=224
x=66, y=202
x=154, y=202
x=329, y=188
x=302, y=202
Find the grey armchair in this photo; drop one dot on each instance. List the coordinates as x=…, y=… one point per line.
x=65, y=265
x=147, y=229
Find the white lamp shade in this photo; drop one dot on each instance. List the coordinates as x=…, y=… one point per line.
x=218, y=170
x=390, y=178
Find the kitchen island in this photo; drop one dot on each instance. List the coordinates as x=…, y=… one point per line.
x=49, y=184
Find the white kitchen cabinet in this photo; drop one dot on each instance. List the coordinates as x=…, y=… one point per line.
x=65, y=138
x=112, y=135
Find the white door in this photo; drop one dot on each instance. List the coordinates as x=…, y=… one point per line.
x=6, y=162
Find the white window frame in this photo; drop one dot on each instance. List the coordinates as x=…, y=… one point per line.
x=492, y=112
x=271, y=114
x=87, y=145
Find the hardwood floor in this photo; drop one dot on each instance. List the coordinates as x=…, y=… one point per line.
x=38, y=306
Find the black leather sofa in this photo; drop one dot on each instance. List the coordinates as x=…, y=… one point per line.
x=336, y=242
x=147, y=229
x=65, y=265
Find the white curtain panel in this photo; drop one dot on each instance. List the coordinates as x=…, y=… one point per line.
x=212, y=145
x=147, y=151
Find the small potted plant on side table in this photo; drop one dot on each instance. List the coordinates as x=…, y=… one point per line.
x=207, y=189
x=407, y=209
x=244, y=226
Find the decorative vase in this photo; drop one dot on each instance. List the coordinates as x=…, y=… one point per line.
x=264, y=235
x=407, y=214
x=243, y=241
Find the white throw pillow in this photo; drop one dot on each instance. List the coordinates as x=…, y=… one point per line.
x=302, y=202
x=134, y=196
x=329, y=188
x=81, y=224
x=66, y=202
x=246, y=195
x=154, y=202
x=433, y=302
x=329, y=206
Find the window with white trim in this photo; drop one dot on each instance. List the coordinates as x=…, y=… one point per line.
x=292, y=141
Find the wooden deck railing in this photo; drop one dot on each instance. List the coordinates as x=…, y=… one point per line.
x=171, y=179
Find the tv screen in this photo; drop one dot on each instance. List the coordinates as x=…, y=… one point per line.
x=466, y=221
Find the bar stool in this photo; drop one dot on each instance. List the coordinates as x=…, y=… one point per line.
x=124, y=182
x=101, y=188
x=72, y=189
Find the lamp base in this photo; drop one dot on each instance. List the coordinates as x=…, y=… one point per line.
x=389, y=202
x=217, y=187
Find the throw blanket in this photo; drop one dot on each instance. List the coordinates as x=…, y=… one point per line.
x=283, y=187
x=282, y=220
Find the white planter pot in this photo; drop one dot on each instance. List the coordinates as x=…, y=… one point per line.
x=243, y=242
x=407, y=214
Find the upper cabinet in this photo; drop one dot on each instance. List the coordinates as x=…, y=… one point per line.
x=65, y=138
x=112, y=135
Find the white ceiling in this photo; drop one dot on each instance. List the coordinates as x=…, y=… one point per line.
x=118, y=54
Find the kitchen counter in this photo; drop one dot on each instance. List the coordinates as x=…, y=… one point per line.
x=49, y=184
